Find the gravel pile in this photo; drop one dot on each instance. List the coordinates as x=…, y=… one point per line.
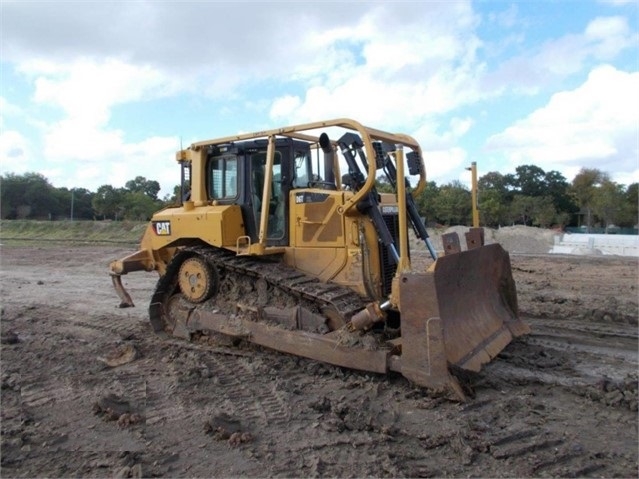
x=517, y=239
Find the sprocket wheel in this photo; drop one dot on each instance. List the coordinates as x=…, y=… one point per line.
x=197, y=279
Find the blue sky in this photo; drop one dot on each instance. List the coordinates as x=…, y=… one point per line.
x=95, y=93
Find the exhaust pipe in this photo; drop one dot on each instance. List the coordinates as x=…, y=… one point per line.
x=329, y=158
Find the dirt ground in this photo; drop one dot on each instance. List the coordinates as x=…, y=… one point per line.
x=561, y=402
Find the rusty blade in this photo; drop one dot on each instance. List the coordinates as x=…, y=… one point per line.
x=477, y=301
x=424, y=360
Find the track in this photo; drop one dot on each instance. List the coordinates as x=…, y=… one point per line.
x=248, y=283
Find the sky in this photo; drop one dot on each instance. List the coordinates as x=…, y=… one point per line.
x=95, y=93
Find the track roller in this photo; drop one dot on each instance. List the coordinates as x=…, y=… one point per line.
x=198, y=279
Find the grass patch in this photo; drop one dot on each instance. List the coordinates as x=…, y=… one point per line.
x=75, y=231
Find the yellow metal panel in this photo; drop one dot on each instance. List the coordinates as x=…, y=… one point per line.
x=317, y=223
x=319, y=262
x=218, y=225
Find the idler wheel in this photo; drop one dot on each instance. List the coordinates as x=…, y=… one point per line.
x=197, y=279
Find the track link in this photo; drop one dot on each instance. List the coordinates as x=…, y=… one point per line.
x=254, y=281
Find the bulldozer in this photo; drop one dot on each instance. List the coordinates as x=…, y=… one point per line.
x=283, y=238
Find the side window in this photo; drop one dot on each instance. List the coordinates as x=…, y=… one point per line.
x=223, y=177
x=303, y=173
x=258, y=163
x=307, y=171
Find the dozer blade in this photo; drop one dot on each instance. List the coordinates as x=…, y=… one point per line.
x=462, y=313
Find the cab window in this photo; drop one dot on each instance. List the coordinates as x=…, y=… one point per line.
x=223, y=177
x=307, y=171
x=303, y=169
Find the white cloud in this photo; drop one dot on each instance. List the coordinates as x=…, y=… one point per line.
x=387, y=65
x=507, y=18
x=84, y=92
x=607, y=36
x=618, y=2
x=595, y=125
x=603, y=39
x=284, y=107
x=88, y=89
x=404, y=66
x=7, y=109
x=460, y=126
x=152, y=158
x=15, y=152
x=440, y=163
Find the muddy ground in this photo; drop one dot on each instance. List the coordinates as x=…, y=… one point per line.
x=560, y=402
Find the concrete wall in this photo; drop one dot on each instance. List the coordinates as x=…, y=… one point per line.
x=621, y=245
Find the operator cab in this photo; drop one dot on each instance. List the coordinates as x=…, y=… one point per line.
x=236, y=172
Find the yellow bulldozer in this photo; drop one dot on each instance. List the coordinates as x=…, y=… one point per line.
x=281, y=238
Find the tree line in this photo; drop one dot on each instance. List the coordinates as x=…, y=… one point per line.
x=533, y=197
x=530, y=196
x=32, y=196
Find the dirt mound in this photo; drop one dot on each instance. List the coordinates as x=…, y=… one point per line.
x=517, y=239
x=525, y=239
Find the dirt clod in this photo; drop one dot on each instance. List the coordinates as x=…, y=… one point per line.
x=226, y=428
x=120, y=355
x=10, y=337
x=113, y=408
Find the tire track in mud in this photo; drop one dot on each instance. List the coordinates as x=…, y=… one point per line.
x=246, y=386
x=190, y=385
x=56, y=411
x=118, y=326
x=548, y=453
x=56, y=402
x=220, y=377
x=531, y=450
x=570, y=353
x=223, y=375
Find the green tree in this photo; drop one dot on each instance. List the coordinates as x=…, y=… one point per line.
x=29, y=195
x=426, y=201
x=493, y=210
x=522, y=209
x=534, y=211
x=631, y=216
x=383, y=185
x=608, y=202
x=78, y=199
x=140, y=184
x=584, y=188
x=108, y=202
x=558, y=188
x=138, y=206
x=172, y=199
x=495, y=181
x=544, y=212
x=453, y=204
x=530, y=180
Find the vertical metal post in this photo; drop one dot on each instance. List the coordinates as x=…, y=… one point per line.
x=72, y=194
x=473, y=191
x=404, y=263
x=266, y=193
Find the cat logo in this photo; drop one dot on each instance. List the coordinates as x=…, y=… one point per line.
x=162, y=228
